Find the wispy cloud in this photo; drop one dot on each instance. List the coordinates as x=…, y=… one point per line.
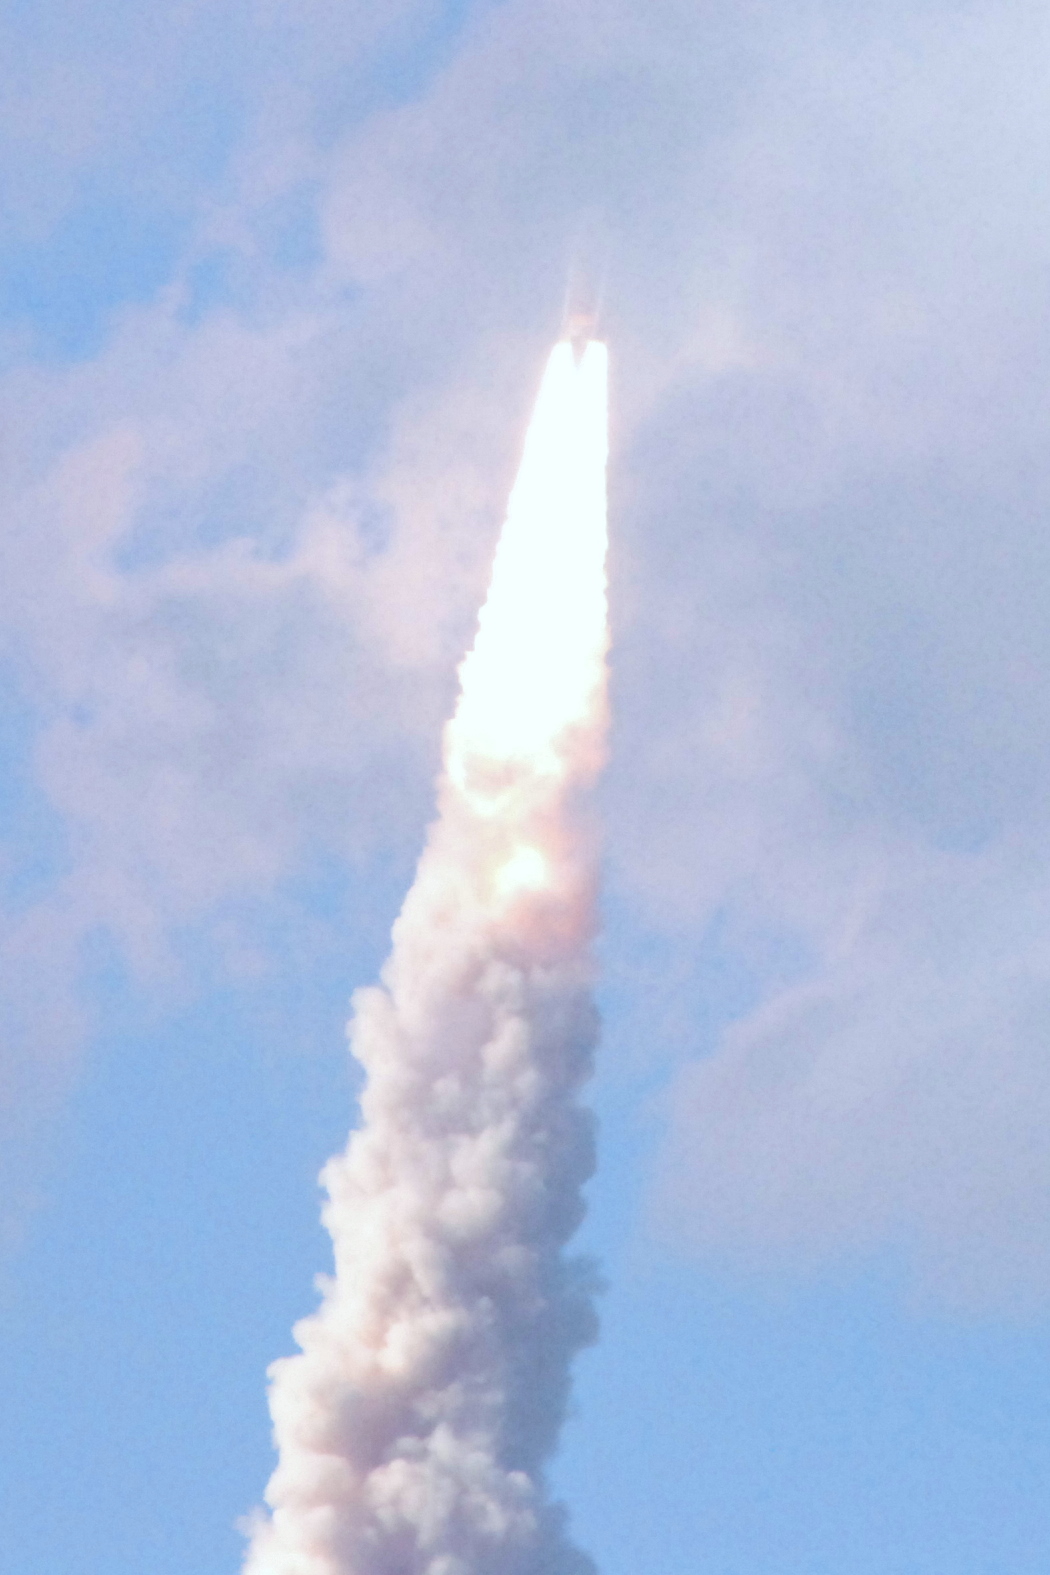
x=244, y=536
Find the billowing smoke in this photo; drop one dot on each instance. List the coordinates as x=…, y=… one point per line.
x=414, y=1427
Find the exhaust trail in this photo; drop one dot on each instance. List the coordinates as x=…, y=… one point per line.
x=414, y=1426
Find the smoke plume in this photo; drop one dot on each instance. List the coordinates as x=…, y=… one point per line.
x=414, y=1426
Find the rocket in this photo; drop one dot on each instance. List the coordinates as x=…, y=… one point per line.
x=579, y=329
x=583, y=296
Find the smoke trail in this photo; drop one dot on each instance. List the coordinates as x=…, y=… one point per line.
x=431, y=1385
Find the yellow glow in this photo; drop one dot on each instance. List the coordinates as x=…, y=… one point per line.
x=526, y=869
x=536, y=672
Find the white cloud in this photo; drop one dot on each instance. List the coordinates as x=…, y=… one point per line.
x=900, y=1098
x=242, y=552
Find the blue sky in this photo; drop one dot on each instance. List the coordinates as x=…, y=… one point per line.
x=275, y=291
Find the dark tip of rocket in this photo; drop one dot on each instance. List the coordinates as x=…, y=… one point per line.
x=579, y=331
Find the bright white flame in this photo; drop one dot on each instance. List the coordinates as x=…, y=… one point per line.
x=538, y=659
x=414, y=1426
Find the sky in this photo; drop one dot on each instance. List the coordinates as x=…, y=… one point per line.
x=277, y=285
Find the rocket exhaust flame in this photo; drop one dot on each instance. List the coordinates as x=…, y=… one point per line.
x=414, y=1426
